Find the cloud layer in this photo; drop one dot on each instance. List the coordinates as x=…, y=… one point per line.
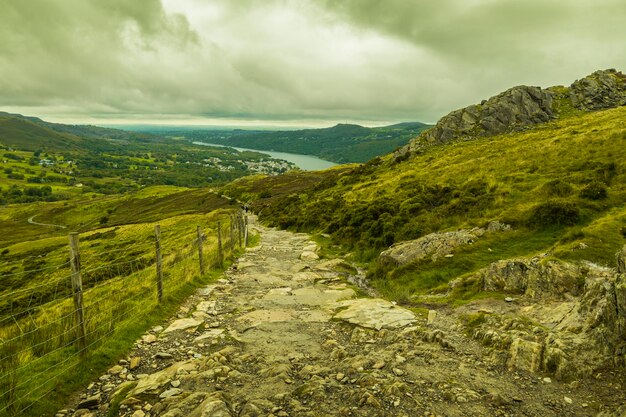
x=293, y=59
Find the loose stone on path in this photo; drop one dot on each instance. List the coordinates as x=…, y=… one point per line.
x=282, y=334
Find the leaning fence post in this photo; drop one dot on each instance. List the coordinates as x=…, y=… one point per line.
x=200, y=240
x=77, y=289
x=159, y=262
x=220, y=251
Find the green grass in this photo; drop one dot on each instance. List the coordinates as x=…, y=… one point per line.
x=119, y=289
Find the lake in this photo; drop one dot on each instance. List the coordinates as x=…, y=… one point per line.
x=304, y=162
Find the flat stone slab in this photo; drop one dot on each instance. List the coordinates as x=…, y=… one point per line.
x=210, y=334
x=375, y=313
x=182, y=324
x=263, y=316
x=205, y=306
x=206, y=291
x=309, y=256
x=311, y=296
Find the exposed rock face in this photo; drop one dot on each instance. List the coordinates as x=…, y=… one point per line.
x=512, y=110
x=578, y=328
x=375, y=313
x=435, y=245
x=600, y=90
x=533, y=278
x=521, y=107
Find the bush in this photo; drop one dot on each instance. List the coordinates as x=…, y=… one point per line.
x=594, y=191
x=557, y=188
x=554, y=213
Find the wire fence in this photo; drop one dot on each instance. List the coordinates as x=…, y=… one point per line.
x=48, y=328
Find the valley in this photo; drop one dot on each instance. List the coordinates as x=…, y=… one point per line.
x=342, y=143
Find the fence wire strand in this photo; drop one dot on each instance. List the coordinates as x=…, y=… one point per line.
x=100, y=322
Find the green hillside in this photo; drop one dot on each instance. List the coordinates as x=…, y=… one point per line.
x=43, y=161
x=32, y=133
x=561, y=185
x=342, y=143
x=24, y=134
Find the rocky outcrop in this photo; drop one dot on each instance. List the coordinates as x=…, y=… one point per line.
x=600, y=90
x=435, y=245
x=522, y=107
x=535, y=278
x=513, y=110
x=578, y=328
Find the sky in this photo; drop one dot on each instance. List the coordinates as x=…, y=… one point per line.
x=292, y=62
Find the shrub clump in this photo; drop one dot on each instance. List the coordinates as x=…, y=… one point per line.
x=557, y=188
x=554, y=213
x=594, y=191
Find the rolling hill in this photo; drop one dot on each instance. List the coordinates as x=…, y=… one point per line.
x=31, y=134
x=342, y=143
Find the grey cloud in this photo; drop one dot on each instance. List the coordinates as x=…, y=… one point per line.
x=294, y=59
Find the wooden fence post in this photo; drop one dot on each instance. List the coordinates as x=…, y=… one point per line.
x=77, y=289
x=159, y=262
x=200, y=240
x=245, y=231
x=220, y=251
x=232, y=232
x=240, y=228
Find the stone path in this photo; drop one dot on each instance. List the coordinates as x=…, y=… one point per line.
x=283, y=334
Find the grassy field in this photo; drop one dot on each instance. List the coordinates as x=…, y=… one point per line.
x=41, y=363
x=561, y=185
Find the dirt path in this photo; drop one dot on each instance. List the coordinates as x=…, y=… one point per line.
x=31, y=220
x=282, y=334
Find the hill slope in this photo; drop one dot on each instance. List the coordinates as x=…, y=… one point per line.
x=560, y=184
x=31, y=134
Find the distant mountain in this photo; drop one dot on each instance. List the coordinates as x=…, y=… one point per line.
x=341, y=143
x=31, y=133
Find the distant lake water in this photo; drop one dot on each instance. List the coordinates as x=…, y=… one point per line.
x=304, y=162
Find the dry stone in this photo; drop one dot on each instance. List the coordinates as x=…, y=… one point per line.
x=152, y=384
x=525, y=355
x=309, y=256
x=533, y=277
x=90, y=402
x=183, y=324
x=433, y=246
x=375, y=314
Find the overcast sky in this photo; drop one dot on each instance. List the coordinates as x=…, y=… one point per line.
x=298, y=62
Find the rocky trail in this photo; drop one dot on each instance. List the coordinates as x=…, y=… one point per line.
x=284, y=334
